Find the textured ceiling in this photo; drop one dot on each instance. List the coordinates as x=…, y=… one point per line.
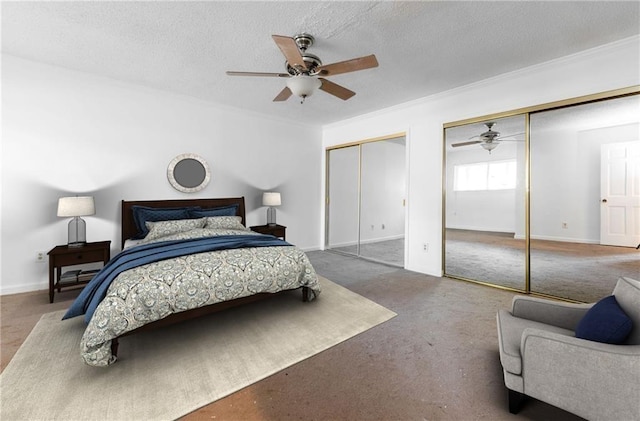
x=422, y=47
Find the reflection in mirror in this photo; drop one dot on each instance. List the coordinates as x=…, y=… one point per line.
x=484, y=235
x=366, y=189
x=585, y=198
x=382, y=194
x=343, y=211
x=188, y=173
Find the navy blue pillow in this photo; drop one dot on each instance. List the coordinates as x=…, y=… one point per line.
x=143, y=214
x=230, y=210
x=605, y=322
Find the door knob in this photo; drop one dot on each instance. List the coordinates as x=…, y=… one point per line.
x=604, y=200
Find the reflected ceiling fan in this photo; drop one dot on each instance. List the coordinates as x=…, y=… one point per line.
x=489, y=140
x=305, y=72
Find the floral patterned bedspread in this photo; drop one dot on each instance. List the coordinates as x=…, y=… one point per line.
x=153, y=291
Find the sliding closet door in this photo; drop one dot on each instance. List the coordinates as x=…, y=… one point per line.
x=382, y=212
x=555, y=212
x=585, y=181
x=343, y=196
x=485, y=223
x=366, y=191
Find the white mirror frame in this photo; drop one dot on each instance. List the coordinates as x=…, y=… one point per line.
x=180, y=187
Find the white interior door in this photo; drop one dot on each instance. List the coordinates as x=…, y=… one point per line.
x=620, y=194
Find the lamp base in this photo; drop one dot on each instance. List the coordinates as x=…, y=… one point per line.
x=271, y=216
x=77, y=232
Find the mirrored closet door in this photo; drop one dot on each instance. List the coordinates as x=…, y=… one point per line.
x=565, y=220
x=484, y=232
x=343, y=207
x=585, y=198
x=366, y=190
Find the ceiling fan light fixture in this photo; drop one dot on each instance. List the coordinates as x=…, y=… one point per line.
x=303, y=85
x=306, y=73
x=489, y=146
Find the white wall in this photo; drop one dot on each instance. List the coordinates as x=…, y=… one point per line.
x=601, y=69
x=565, y=180
x=67, y=133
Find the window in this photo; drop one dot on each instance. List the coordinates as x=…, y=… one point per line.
x=493, y=175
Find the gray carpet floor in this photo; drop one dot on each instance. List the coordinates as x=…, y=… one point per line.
x=437, y=360
x=389, y=251
x=581, y=272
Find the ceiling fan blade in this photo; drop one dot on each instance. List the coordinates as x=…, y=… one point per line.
x=510, y=135
x=283, y=95
x=335, y=89
x=258, y=74
x=290, y=50
x=346, y=66
x=473, y=142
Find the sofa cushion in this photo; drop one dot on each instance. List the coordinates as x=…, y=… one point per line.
x=627, y=293
x=510, y=330
x=605, y=322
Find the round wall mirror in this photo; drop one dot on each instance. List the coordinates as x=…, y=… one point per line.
x=188, y=173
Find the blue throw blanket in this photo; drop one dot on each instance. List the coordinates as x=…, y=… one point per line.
x=96, y=289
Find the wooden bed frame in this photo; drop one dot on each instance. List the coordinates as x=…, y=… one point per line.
x=129, y=230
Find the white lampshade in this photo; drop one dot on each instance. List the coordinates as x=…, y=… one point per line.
x=271, y=199
x=303, y=85
x=76, y=206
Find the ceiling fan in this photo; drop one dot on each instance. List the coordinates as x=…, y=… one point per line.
x=489, y=140
x=305, y=72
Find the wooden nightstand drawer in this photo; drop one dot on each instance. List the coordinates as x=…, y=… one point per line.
x=79, y=257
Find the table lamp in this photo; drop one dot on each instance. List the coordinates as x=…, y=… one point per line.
x=76, y=207
x=271, y=199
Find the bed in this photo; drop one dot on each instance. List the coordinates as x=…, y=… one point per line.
x=175, y=268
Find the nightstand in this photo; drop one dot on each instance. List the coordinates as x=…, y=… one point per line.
x=275, y=230
x=61, y=256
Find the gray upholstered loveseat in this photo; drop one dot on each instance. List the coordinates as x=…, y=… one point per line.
x=542, y=357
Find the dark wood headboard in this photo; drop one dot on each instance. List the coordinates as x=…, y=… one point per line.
x=129, y=228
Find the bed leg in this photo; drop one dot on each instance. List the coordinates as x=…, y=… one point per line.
x=305, y=294
x=114, y=347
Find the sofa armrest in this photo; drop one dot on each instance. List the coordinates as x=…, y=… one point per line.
x=591, y=379
x=555, y=313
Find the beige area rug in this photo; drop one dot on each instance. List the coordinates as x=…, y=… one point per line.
x=167, y=373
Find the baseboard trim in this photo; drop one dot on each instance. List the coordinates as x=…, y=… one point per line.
x=369, y=241
x=42, y=286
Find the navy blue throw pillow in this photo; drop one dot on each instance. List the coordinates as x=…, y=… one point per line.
x=143, y=214
x=230, y=210
x=605, y=322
